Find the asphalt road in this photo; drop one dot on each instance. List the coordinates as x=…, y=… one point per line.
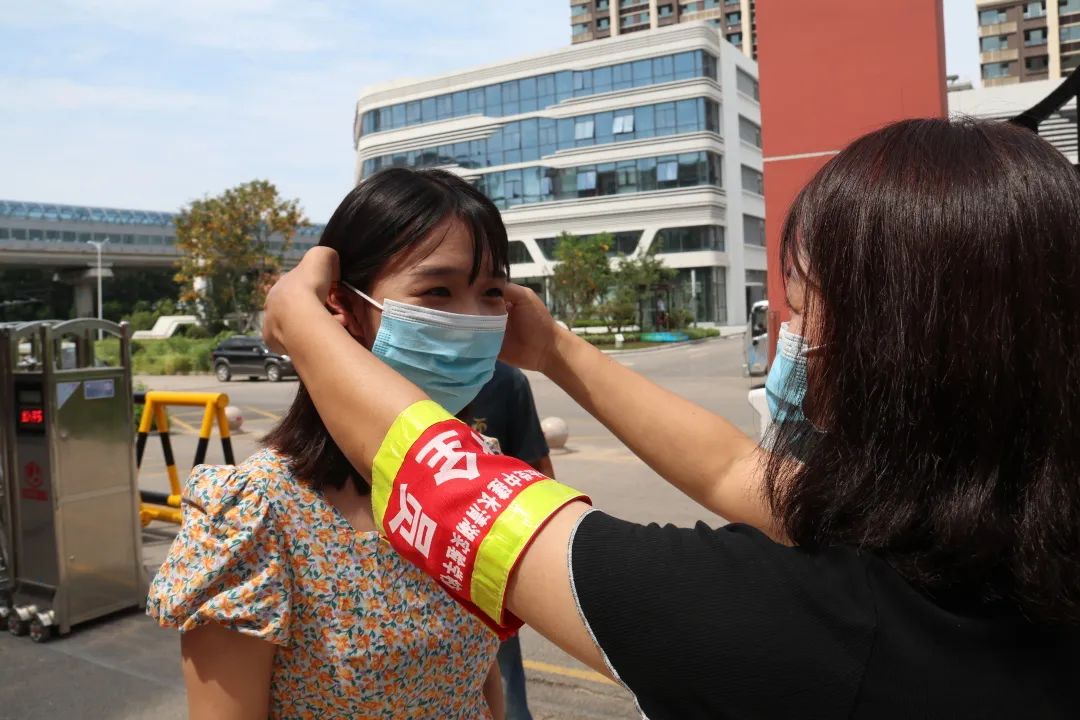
x=126, y=667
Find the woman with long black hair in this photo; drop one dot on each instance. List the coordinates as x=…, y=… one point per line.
x=909, y=545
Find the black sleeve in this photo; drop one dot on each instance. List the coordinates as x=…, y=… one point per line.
x=526, y=439
x=723, y=623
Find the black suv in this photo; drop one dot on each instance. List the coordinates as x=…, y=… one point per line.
x=242, y=355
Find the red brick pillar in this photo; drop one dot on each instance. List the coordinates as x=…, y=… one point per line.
x=830, y=71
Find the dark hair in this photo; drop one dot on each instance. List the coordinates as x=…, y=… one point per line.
x=942, y=261
x=392, y=211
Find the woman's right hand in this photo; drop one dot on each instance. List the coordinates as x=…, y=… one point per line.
x=531, y=332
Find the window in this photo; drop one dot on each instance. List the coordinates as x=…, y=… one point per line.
x=667, y=171
x=1068, y=64
x=752, y=180
x=580, y=28
x=994, y=42
x=603, y=23
x=576, y=10
x=626, y=176
x=749, y=132
x=1035, y=37
x=746, y=83
x=665, y=118
x=735, y=38
x=634, y=19
x=1036, y=9
x=992, y=17
x=1037, y=64
x=753, y=230
x=734, y=18
x=602, y=4
x=586, y=180
x=4, y=234
x=665, y=11
x=623, y=124
x=996, y=70
x=519, y=253
x=1070, y=33
x=583, y=129
x=690, y=239
x=686, y=115
x=1067, y=7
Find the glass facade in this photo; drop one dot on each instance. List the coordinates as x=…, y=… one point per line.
x=690, y=239
x=510, y=188
x=623, y=243
x=77, y=216
x=752, y=180
x=753, y=230
x=79, y=213
x=704, y=291
x=530, y=94
x=535, y=138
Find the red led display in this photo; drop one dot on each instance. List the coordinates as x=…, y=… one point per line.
x=31, y=416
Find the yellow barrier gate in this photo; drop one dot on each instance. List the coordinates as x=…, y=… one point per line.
x=159, y=506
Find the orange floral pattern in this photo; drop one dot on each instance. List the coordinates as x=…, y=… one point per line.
x=360, y=632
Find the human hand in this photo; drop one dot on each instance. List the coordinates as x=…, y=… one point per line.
x=312, y=278
x=530, y=330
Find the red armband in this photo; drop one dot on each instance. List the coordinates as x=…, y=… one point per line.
x=462, y=515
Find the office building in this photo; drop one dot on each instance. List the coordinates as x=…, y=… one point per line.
x=48, y=260
x=599, y=19
x=652, y=137
x=1028, y=40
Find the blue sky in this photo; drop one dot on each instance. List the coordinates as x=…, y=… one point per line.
x=152, y=103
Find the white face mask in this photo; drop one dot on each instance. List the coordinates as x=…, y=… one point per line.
x=450, y=356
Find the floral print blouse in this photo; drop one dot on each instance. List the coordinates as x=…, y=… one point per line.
x=360, y=633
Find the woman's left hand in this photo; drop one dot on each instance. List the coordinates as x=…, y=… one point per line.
x=317, y=271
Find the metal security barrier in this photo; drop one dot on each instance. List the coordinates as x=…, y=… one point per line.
x=72, y=524
x=159, y=506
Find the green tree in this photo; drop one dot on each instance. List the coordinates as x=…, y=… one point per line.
x=632, y=280
x=232, y=247
x=583, y=274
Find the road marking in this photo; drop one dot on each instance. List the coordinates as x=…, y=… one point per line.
x=184, y=425
x=567, y=672
x=272, y=416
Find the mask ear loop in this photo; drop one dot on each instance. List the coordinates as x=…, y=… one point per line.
x=361, y=294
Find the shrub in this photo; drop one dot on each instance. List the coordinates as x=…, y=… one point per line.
x=176, y=364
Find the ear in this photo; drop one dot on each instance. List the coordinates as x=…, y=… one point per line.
x=340, y=306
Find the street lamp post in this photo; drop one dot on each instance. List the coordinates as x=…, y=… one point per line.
x=98, y=245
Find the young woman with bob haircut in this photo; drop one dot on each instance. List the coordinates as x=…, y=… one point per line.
x=909, y=545
x=290, y=604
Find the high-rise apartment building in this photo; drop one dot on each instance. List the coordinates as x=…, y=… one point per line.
x=599, y=19
x=1025, y=40
x=654, y=138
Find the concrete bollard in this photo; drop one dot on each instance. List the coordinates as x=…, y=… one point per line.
x=556, y=432
x=235, y=418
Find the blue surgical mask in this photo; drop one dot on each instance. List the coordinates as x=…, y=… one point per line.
x=785, y=386
x=450, y=356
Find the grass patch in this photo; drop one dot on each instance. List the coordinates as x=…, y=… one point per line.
x=173, y=356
